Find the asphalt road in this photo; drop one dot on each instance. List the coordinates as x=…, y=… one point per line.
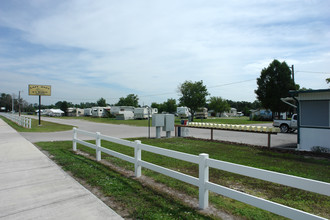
x=124, y=131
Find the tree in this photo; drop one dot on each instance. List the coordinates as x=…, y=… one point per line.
x=63, y=105
x=274, y=83
x=169, y=106
x=218, y=105
x=5, y=101
x=130, y=100
x=193, y=95
x=101, y=102
x=327, y=80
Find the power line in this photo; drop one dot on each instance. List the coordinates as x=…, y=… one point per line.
x=311, y=72
x=151, y=95
x=227, y=84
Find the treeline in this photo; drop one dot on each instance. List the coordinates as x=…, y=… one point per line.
x=168, y=106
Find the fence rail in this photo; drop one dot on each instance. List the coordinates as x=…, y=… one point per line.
x=202, y=181
x=20, y=120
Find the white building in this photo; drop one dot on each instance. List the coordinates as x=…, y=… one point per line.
x=313, y=119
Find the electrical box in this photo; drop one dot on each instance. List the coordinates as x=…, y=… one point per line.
x=169, y=122
x=158, y=120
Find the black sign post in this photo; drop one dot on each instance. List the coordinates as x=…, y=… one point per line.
x=39, y=110
x=40, y=90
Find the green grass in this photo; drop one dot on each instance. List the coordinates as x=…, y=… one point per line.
x=45, y=126
x=141, y=202
x=318, y=169
x=144, y=123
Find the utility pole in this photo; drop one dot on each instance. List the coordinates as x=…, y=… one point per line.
x=12, y=103
x=292, y=67
x=19, y=103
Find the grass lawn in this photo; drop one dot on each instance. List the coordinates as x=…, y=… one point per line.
x=144, y=123
x=45, y=126
x=308, y=167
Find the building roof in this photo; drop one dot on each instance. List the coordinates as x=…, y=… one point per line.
x=293, y=92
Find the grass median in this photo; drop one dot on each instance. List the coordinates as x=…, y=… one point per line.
x=139, y=206
x=45, y=126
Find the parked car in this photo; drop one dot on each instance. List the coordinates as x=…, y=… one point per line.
x=286, y=125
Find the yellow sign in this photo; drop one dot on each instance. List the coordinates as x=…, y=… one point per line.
x=39, y=90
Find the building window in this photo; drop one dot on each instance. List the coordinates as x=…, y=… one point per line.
x=314, y=113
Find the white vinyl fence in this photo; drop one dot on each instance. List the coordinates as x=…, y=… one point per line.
x=20, y=120
x=202, y=182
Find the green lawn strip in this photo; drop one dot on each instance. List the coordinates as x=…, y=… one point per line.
x=318, y=169
x=140, y=201
x=261, y=158
x=144, y=123
x=45, y=126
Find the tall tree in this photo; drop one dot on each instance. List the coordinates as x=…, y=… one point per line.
x=5, y=101
x=218, y=105
x=130, y=100
x=193, y=95
x=101, y=102
x=169, y=106
x=274, y=83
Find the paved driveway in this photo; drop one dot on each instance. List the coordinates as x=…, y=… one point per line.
x=125, y=131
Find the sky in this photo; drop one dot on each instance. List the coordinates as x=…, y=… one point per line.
x=87, y=49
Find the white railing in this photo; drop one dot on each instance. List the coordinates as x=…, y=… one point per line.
x=20, y=120
x=202, y=182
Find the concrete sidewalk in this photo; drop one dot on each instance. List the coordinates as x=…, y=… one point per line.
x=34, y=187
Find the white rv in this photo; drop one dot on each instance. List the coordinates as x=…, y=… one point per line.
x=97, y=112
x=122, y=112
x=141, y=113
x=100, y=112
x=183, y=112
x=87, y=112
x=201, y=113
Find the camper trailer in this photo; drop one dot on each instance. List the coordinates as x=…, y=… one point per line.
x=122, y=112
x=183, y=112
x=71, y=112
x=87, y=112
x=201, y=113
x=141, y=113
x=79, y=112
x=100, y=112
x=154, y=111
x=97, y=112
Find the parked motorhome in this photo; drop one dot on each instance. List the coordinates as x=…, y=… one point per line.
x=183, y=112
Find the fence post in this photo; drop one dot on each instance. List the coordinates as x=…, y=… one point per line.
x=30, y=123
x=98, y=145
x=74, y=143
x=203, y=178
x=137, y=156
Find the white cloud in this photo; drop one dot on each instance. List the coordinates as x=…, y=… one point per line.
x=150, y=47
